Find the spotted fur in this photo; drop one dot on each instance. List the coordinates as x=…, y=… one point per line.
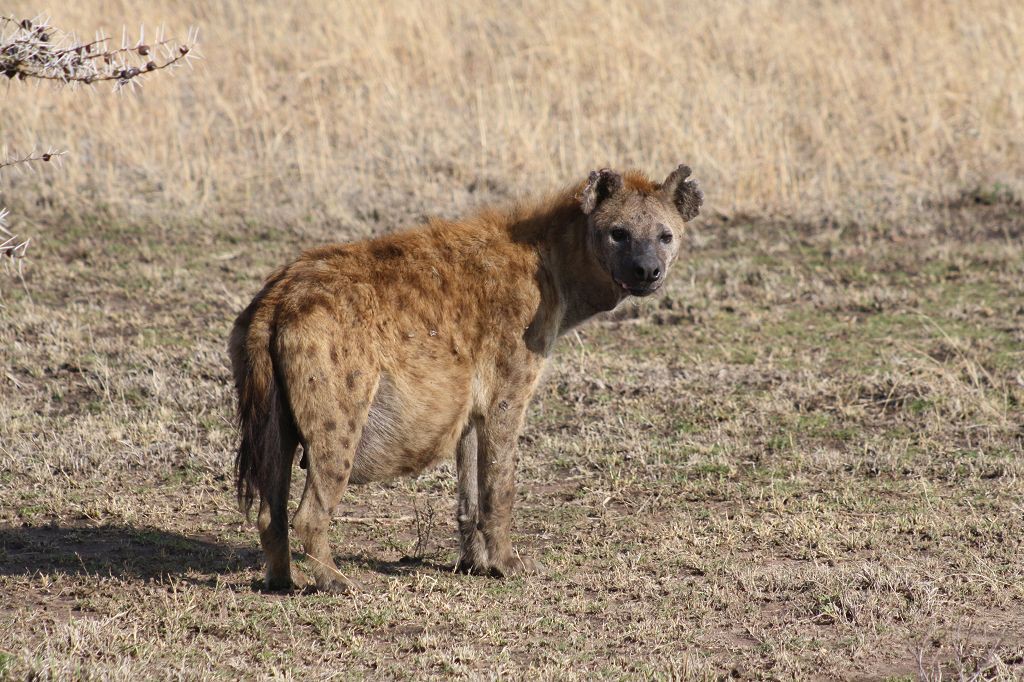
x=382, y=357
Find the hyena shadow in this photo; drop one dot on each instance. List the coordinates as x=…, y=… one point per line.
x=129, y=552
x=152, y=554
x=404, y=566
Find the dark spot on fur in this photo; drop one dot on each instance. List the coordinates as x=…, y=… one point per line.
x=334, y=354
x=345, y=443
x=346, y=465
x=331, y=425
x=386, y=251
x=351, y=424
x=504, y=367
x=312, y=302
x=350, y=379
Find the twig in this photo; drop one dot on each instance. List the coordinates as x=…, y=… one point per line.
x=374, y=519
x=12, y=247
x=424, y=520
x=13, y=160
x=31, y=48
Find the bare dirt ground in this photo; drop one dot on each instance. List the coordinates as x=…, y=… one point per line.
x=804, y=460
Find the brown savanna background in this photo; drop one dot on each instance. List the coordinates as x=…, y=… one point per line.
x=312, y=111
x=804, y=459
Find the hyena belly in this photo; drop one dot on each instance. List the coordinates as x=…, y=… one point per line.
x=411, y=425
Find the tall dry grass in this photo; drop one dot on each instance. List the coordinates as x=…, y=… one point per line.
x=328, y=113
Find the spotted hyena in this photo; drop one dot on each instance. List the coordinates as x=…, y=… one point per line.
x=382, y=357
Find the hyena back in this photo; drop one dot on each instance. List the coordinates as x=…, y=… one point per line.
x=384, y=356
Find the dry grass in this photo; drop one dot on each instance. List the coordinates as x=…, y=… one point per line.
x=332, y=112
x=34, y=50
x=804, y=460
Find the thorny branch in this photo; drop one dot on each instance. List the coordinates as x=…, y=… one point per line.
x=34, y=49
x=14, y=160
x=12, y=247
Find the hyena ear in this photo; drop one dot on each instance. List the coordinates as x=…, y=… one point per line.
x=684, y=194
x=600, y=185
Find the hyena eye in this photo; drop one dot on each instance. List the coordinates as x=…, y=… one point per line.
x=619, y=234
x=666, y=238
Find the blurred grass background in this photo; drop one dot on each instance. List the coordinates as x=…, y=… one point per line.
x=339, y=115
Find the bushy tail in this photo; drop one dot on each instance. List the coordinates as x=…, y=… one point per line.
x=259, y=461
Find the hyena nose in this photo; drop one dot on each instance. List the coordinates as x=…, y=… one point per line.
x=647, y=272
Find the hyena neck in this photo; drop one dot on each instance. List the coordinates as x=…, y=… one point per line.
x=584, y=289
x=573, y=286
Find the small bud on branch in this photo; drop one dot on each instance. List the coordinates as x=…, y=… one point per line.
x=14, y=160
x=33, y=49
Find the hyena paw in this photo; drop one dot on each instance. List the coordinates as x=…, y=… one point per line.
x=285, y=581
x=333, y=581
x=275, y=584
x=337, y=585
x=473, y=558
x=514, y=564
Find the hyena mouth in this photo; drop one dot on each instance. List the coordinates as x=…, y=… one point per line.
x=639, y=289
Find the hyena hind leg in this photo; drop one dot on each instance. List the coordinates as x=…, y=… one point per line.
x=326, y=481
x=330, y=412
x=272, y=520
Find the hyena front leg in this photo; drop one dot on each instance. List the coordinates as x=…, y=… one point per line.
x=472, y=546
x=496, y=464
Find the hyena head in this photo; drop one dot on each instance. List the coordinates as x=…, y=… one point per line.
x=635, y=225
